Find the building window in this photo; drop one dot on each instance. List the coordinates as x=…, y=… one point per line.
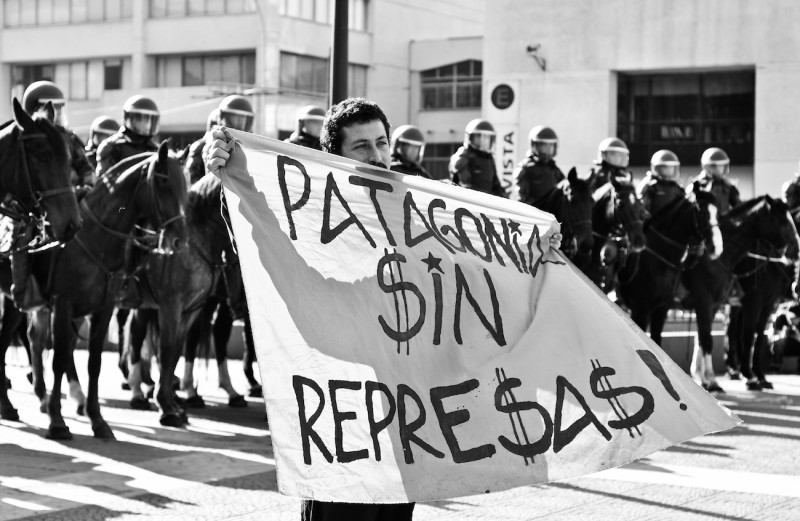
x=48, y=12
x=321, y=11
x=309, y=74
x=437, y=159
x=687, y=113
x=188, y=71
x=454, y=86
x=169, y=8
x=112, y=75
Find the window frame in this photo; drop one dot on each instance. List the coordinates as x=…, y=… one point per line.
x=442, y=85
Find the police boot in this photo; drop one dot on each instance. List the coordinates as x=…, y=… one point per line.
x=25, y=289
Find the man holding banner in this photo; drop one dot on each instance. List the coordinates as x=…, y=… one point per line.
x=420, y=341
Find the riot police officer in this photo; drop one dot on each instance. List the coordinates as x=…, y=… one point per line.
x=661, y=185
x=235, y=112
x=613, y=157
x=140, y=118
x=309, y=125
x=714, y=178
x=102, y=128
x=537, y=174
x=34, y=101
x=408, y=149
x=472, y=165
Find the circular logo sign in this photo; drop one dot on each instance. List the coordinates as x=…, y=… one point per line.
x=502, y=96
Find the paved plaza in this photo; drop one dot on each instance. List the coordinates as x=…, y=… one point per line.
x=221, y=466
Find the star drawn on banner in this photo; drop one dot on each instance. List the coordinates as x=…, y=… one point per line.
x=434, y=263
x=514, y=227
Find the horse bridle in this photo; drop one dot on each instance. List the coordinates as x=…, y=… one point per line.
x=18, y=209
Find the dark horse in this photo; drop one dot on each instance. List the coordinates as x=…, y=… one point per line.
x=178, y=287
x=36, y=190
x=617, y=227
x=571, y=203
x=648, y=281
x=83, y=277
x=761, y=227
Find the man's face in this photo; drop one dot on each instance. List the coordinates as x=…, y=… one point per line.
x=367, y=143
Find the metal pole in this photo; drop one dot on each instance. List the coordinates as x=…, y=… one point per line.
x=338, y=83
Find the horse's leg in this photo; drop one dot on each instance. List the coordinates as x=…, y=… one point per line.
x=171, y=337
x=188, y=386
x=22, y=336
x=747, y=324
x=704, y=344
x=122, y=317
x=75, y=390
x=136, y=331
x=734, y=335
x=249, y=358
x=63, y=344
x=761, y=348
x=12, y=318
x=223, y=325
x=657, y=319
x=98, y=330
x=39, y=337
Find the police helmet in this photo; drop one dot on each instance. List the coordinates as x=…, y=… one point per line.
x=213, y=119
x=38, y=94
x=480, y=135
x=236, y=112
x=666, y=165
x=544, y=143
x=613, y=151
x=715, y=162
x=309, y=120
x=101, y=128
x=140, y=115
x=409, y=143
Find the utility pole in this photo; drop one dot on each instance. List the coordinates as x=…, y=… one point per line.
x=338, y=77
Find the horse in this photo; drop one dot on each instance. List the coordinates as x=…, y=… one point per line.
x=617, y=228
x=178, y=287
x=759, y=225
x=648, y=281
x=571, y=203
x=36, y=191
x=82, y=278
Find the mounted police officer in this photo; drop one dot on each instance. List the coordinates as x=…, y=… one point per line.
x=234, y=111
x=140, y=118
x=537, y=174
x=308, y=128
x=661, y=185
x=102, y=128
x=613, y=157
x=408, y=149
x=714, y=178
x=472, y=166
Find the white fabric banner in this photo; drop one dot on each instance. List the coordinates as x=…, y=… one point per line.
x=419, y=341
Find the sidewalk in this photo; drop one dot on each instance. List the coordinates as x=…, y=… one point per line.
x=222, y=468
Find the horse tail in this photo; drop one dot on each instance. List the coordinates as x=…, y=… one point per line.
x=203, y=330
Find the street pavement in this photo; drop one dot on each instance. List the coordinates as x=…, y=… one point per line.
x=221, y=466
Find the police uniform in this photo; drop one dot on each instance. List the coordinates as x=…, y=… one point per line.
x=122, y=145
x=474, y=169
x=535, y=179
x=726, y=192
x=81, y=173
x=658, y=193
x=195, y=167
x=302, y=139
x=400, y=164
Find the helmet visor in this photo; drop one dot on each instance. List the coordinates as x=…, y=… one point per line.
x=411, y=152
x=59, y=115
x=616, y=158
x=98, y=136
x=544, y=150
x=483, y=141
x=716, y=170
x=672, y=172
x=237, y=121
x=142, y=124
x=312, y=126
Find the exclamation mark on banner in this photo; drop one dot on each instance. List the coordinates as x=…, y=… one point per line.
x=658, y=371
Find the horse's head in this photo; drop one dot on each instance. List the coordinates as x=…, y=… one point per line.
x=764, y=226
x=785, y=228
x=707, y=221
x=579, y=214
x=629, y=212
x=162, y=199
x=35, y=173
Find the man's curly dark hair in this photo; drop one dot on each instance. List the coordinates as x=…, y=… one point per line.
x=344, y=114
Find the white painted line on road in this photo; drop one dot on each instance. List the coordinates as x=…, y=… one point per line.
x=27, y=505
x=710, y=479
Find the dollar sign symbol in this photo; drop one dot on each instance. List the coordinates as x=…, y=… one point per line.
x=403, y=333
x=505, y=393
x=602, y=388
